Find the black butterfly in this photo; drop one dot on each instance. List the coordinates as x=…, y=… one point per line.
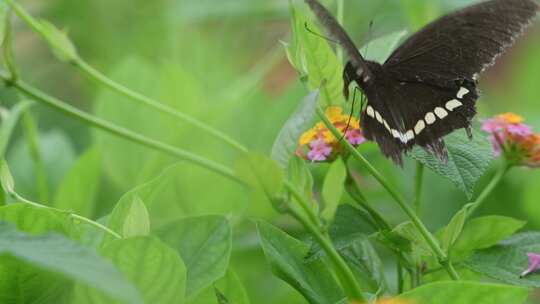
x=428, y=87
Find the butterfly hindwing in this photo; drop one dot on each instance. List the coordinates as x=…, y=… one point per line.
x=400, y=115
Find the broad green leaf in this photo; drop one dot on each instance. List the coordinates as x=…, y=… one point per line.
x=313, y=57
x=129, y=217
x=230, y=289
x=408, y=231
x=467, y=160
x=156, y=270
x=464, y=292
x=6, y=179
x=332, y=190
x=261, y=173
x=57, y=155
x=79, y=187
x=34, y=220
x=8, y=124
x=506, y=261
x=299, y=175
x=137, y=222
x=286, y=257
x=285, y=145
x=366, y=264
x=59, y=42
x=379, y=49
x=349, y=226
x=484, y=232
x=205, y=244
x=453, y=230
x=53, y=252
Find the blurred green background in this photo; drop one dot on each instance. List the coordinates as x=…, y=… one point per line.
x=222, y=62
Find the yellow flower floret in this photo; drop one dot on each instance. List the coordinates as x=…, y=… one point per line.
x=334, y=114
x=307, y=137
x=510, y=118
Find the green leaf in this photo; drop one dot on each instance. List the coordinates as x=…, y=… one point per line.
x=350, y=225
x=34, y=220
x=8, y=124
x=261, y=173
x=332, y=189
x=284, y=146
x=453, y=230
x=408, y=231
x=56, y=253
x=506, y=261
x=156, y=270
x=484, y=232
x=129, y=218
x=79, y=187
x=6, y=179
x=286, y=256
x=366, y=264
x=205, y=244
x=313, y=57
x=4, y=15
x=299, y=175
x=467, y=160
x=464, y=292
x=137, y=221
x=230, y=289
x=379, y=49
x=59, y=42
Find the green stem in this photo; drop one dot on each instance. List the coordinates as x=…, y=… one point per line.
x=31, y=133
x=57, y=104
x=135, y=96
x=345, y=274
x=356, y=194
x=418, y=182
x=429, y=238
x=21, y=199
x=489, y=188
x=400, y=281
x=304, y=204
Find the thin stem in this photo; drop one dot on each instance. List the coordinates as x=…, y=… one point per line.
x=21, y=199
x=135, y=96
x=345, y=274
x=156, y=105
x=429, y=238
x=304, y=204
x=418, y=182
x=400, y=281
x=97, y=122
x=31, y=134
x=489, y=188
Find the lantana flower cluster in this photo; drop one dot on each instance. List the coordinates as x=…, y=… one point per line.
x=318, y=144
x=513, y=139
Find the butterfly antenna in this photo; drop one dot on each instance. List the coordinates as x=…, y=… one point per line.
x=350, y=116
x=370, y=35
x=319, y=35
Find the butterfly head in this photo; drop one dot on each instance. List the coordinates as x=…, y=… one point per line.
x=362, y=77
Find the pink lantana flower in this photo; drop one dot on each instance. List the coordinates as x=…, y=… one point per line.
x=534, y=263
x=318, y=144
x=513, y=139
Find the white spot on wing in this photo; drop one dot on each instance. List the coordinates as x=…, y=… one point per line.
x=386, y=125
x=379, y=117
x=420, y=125
x=409, y=135
x=462, y=92
x=440, y=112
x=395, y=133
x=370, y=112
x=430, y=118
x=453, y=104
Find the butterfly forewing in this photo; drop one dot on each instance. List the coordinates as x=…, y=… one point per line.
x=461, y=44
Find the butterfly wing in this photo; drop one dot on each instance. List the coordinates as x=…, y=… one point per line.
x=462, y=44
x=400, y=114
x=427, y=87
